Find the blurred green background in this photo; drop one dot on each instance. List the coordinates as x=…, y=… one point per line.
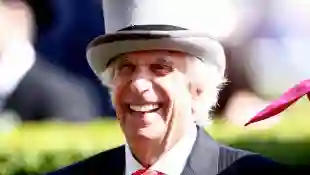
x=267, y=47
x=40, y=147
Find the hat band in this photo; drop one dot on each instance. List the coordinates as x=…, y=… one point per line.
x=155, y=27
x=108, y=38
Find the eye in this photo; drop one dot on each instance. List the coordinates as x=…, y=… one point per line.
x=161, y=69
x=126, y=68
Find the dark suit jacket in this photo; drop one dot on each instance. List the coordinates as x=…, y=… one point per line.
x=206, y=158
x=48, y=91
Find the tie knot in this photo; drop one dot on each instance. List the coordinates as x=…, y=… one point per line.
x=147, y=172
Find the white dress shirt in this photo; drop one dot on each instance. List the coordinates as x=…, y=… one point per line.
x=170, y=163
x=15, y=61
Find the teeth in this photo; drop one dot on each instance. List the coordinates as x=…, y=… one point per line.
x=143, y=108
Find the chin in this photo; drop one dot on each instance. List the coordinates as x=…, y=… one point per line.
x=150, y=134
x=153, y=131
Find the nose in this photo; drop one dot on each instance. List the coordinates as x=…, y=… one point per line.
x=141, y=81
x=140, y=85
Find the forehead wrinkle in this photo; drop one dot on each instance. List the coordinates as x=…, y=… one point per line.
x=176, y=59
x=145, y=58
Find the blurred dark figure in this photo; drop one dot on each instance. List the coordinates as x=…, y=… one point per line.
x=65, y=26
x=30, y=86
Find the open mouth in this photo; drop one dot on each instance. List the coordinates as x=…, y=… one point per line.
x=145, y=108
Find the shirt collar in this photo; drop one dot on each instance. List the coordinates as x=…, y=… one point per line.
x=173, y=161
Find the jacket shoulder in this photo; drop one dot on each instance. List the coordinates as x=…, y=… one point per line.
x=228, y=155
x=112, y=159
x=237, y=161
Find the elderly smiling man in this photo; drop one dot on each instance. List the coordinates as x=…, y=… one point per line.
x=163, y=78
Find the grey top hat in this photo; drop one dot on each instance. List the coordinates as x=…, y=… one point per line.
x=141, y=25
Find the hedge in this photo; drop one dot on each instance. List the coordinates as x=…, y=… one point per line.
x=34, y=148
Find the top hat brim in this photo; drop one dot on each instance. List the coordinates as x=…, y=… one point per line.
x=102, y=50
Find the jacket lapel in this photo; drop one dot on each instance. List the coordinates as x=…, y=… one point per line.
x=204, y=156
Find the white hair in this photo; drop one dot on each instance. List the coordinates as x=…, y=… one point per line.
x=207, y=80
x=204, y=78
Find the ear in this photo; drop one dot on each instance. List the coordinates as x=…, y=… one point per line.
x=194, y=106
x=195, y=93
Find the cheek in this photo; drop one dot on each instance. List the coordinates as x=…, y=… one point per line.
x=177, y=88
x=178, y=85
x=181, y=101
x=115, y=102
x=116, y=95
x=119, y=85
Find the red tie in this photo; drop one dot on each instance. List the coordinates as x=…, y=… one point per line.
x=287, y=99
x=147, y=172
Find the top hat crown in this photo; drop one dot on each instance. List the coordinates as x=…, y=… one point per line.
x=193, y=15
x=136, y=25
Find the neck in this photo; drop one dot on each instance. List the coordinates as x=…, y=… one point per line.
x=147, y=151
x=147, y=155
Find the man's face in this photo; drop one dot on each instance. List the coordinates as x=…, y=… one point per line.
x=15, y=22
x=151, y=94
